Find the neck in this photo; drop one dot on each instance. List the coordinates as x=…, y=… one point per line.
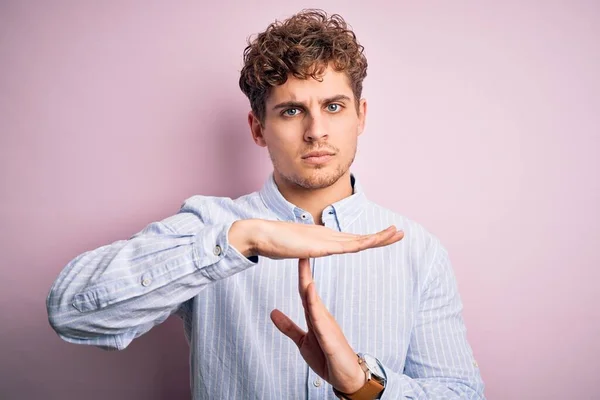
x=314, y=200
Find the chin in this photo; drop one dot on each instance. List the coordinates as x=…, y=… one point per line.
x=317, y=178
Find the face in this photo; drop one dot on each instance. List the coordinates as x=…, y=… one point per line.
x=311, y=129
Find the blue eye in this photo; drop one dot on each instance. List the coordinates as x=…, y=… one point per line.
x=291, y=112
x=334, y=107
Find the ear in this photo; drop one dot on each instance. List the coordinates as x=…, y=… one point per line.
x=256, y=129
x=362, y=116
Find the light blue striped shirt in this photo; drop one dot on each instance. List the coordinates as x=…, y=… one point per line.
x=399, y=303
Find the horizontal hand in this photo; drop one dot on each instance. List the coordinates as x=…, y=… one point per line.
x=280, y=239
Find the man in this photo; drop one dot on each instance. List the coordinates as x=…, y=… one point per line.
x=371, y=311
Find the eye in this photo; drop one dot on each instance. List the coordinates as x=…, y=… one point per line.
x=291, y=112
x=334, y=107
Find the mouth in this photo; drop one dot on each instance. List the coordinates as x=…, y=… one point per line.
x=318, y=157
x=319, y=153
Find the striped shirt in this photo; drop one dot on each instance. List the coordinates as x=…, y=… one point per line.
x=398, y=303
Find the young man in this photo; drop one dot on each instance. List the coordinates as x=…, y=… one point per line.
x=385, y=321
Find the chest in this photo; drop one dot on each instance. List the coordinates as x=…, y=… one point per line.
x=370, y=294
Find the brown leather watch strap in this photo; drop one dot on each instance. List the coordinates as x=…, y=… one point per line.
x=369, y=391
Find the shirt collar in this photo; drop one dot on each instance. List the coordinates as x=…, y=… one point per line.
x=345, y=211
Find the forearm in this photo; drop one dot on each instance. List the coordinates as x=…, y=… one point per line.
x=111, y=295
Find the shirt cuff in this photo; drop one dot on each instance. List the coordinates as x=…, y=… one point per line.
x=396, y=386
x=215, y=257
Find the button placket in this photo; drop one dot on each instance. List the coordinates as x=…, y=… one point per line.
x=314, y=385
x=315, y=380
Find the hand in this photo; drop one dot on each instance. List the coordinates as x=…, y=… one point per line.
x=324, y=347
x=280, y=239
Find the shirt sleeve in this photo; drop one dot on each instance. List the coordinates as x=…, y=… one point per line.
x=111, y=295
x=439, y=362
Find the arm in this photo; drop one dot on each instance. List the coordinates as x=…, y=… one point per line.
x=111, y=295
x=439, y=363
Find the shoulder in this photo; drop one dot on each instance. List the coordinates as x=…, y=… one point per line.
x=215, y=209
x=199, y=211
x=421, y=248
x=415, y=231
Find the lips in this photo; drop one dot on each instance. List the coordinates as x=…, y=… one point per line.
x=318, y=154
x=320, y=157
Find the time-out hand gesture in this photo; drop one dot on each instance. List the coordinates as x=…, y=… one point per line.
x=280, y=239
x=324, y=347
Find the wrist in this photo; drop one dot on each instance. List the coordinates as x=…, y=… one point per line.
x=374, y=380
x=358, y=380
x=242, y=236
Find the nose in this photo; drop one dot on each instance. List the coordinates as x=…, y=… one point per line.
x=315, y=129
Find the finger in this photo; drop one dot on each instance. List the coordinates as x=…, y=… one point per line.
x=309, y=323
x=395, y=237
x=360, y=242
x=345, y=235
x=342, y=236
x=382, y=238
x=347, y=238
x=351, y=246
x=317, y=312
x=304, y=277
x=386, y=233
x=287, y=327
x=354, y=247
x=399, y=235
x=333, y=233
x=326, y=330
x=377, y=237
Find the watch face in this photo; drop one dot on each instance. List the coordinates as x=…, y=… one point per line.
x=374, y=365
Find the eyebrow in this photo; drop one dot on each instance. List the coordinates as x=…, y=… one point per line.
x=292, y=104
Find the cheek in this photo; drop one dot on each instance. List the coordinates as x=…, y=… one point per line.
x=347, y=135
x=282, y=148
x=285, y=139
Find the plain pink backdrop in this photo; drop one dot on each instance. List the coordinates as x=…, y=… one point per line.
x=483, y=125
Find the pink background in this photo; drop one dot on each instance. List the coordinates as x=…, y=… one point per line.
x=483, y=125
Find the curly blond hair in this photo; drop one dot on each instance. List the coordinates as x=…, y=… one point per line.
x=303, y=46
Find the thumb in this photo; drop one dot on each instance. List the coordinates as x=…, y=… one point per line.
x=287, y=327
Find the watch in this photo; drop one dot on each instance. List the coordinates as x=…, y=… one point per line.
x=375, y=384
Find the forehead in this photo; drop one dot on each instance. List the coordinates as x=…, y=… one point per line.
x=332, y=83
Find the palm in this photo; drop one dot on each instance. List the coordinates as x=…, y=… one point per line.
x=312, y=353
x=293, y=240
x=323, y=346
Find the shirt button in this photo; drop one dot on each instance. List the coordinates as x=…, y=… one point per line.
x=146, y=282
x=317, y=382
x=217, y=250
x=303, y=216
